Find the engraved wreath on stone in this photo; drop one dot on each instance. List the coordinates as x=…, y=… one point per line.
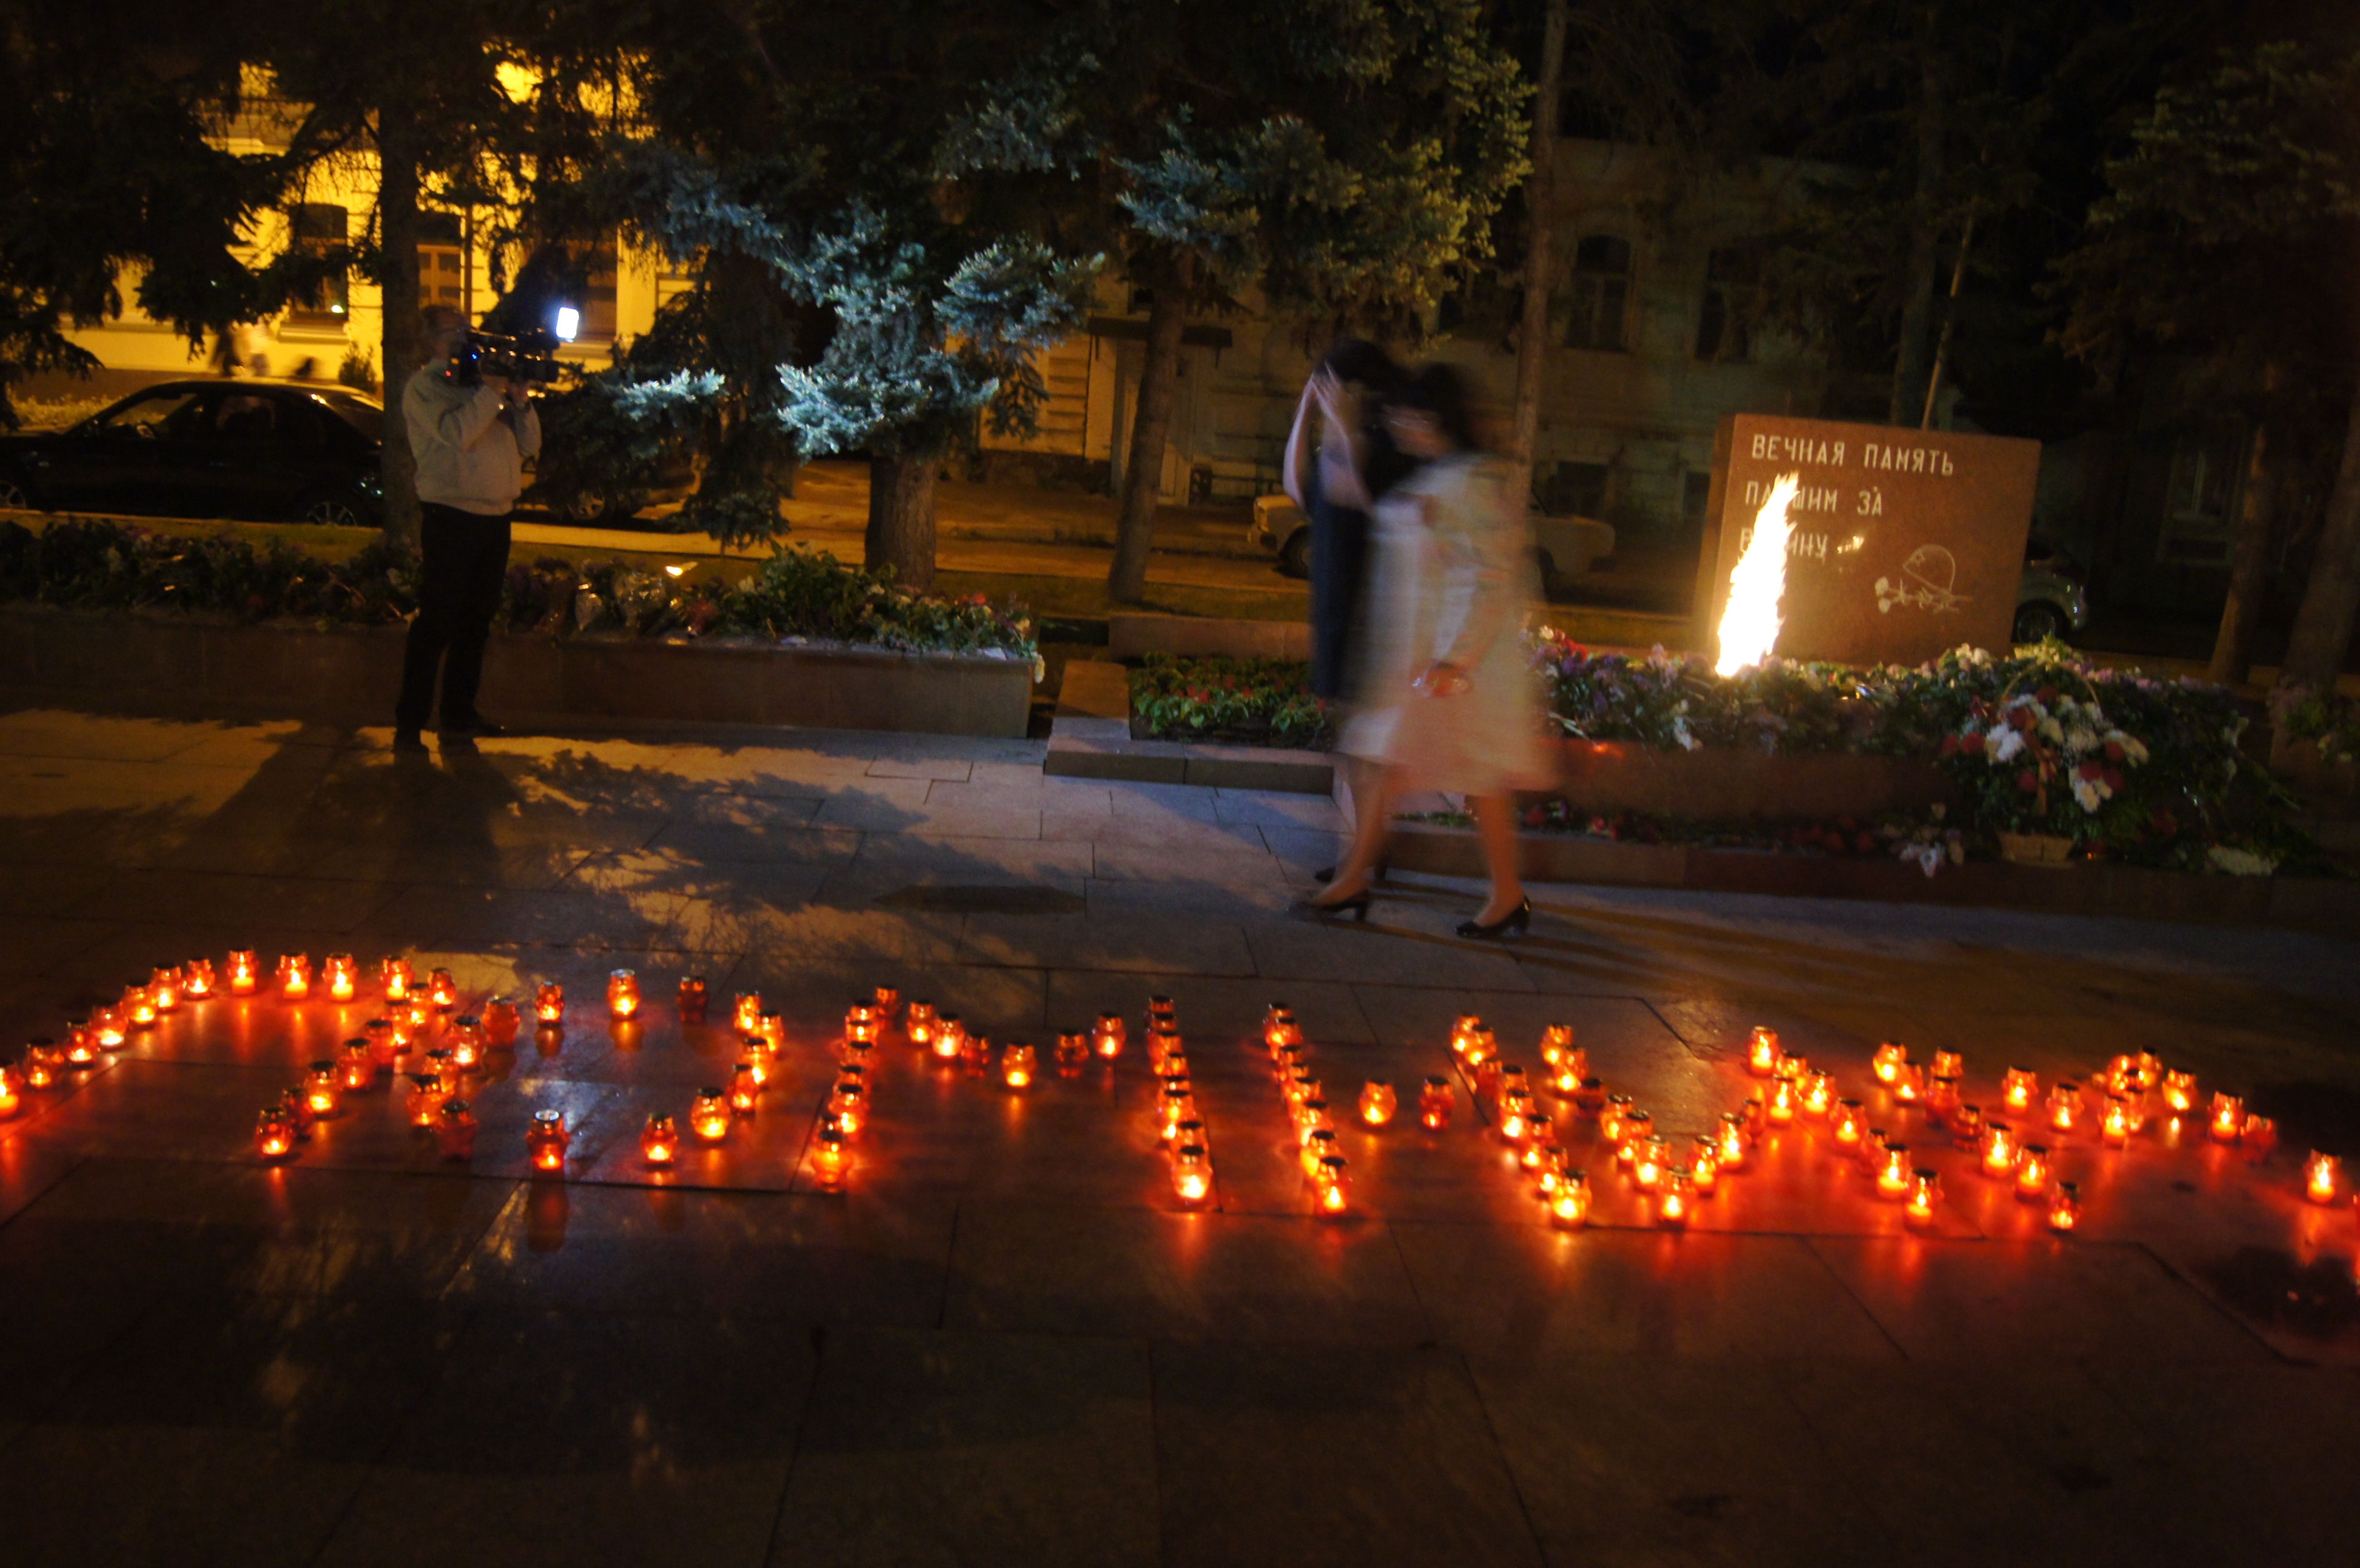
x=1928, y=575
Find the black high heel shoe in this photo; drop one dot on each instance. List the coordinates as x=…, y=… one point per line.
x=1518, y=920
x=1357, y=906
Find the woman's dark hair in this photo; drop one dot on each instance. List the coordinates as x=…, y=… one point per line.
x=1441, y=393
x=1358, y=359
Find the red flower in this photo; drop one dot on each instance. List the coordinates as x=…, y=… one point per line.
x=2115, y=778
x=2027, y=781
x=2092, y=770
x=2113, y=751
x=2047, y=696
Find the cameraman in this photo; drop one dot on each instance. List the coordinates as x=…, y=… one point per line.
x=470, y=443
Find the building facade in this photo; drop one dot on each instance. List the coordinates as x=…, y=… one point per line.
x=339, y=331
x=1649, y=347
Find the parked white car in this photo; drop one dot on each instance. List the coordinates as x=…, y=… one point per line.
x=1568, y=547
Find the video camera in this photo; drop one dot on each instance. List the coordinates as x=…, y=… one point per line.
x=529, y=356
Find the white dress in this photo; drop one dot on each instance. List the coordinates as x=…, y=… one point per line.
x=1451, y=576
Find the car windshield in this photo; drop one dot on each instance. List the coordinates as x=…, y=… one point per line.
x=364, y=414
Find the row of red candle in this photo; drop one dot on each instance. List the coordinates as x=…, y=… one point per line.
x=2127, y=1083
x=1673, y=1176
x=1328, y=1172
x=1180, y=1130
x=435, y=1103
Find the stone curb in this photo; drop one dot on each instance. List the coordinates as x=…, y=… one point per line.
x=1090, y=738
x=2129, y=892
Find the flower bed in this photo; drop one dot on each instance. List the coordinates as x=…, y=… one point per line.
x=2315, y=743
x=1245, y=702
x=797, y=596
x=2126, y=766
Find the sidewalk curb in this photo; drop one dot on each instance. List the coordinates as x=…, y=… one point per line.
x=2126, y=892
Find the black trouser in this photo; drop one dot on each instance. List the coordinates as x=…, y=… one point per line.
x=463, y=562
x=1339, y=554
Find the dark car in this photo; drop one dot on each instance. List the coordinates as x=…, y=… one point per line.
x=273, y=451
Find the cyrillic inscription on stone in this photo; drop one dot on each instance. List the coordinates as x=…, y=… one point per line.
x=1906, y=542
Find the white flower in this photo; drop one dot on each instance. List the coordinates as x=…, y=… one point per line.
x=2079, y=743
x=2239, y=862
x=2090, y=792
x=2002, y=746
x=1927, y=857
x=1680, y=732
x=2051, y=731
x=2134, y=749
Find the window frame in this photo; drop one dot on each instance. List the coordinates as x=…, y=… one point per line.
x=1596, y=298
x=335, y=309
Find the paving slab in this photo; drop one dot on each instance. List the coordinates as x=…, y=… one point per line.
x=401, y=1357
x=1273, y=1453
x=236, y=1430
x=587, y=1438
x=935, y=1447
x=1172, y=1275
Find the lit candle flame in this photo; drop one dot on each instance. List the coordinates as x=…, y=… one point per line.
x=1750, y=620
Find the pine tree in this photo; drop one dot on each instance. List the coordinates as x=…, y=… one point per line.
x=1341, y=158
x=470, y=104
x=860, y=289
x=109, y=156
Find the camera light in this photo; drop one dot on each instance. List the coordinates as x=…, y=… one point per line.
x=568, y=322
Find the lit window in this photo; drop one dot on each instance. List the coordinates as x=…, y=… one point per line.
x=319, y=230
x=598, y=297
x=442, y=261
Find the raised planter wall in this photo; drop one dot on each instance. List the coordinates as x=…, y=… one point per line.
x=1716, y=784
x=353, y=674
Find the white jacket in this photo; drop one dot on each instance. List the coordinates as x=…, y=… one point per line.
x=468, y=457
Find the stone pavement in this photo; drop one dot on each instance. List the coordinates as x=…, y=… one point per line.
x=1005, y=1340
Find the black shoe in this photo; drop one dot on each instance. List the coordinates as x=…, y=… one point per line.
x=407, y=741
x=1518, y=920
x=1356, y=905
x=477, y=729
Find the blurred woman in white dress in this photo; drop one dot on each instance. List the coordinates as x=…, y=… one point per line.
x=1448, y=700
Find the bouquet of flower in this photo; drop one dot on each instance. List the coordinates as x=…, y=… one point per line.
x=2027, y=757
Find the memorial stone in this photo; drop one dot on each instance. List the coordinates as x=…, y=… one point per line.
x=1906, y=542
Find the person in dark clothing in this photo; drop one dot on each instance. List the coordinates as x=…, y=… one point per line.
x=470, y=443
x=1340, y=459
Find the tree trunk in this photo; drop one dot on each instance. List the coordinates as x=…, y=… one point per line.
x=1150, y=427
x=2249, y=559
x=1540, y=192
x=2322, y=627
x=1909, y=359
x=1949, y=324
x=901, y=518
x=402, y=346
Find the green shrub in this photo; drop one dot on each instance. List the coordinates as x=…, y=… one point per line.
x=1260, y=700
x=796, y=593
